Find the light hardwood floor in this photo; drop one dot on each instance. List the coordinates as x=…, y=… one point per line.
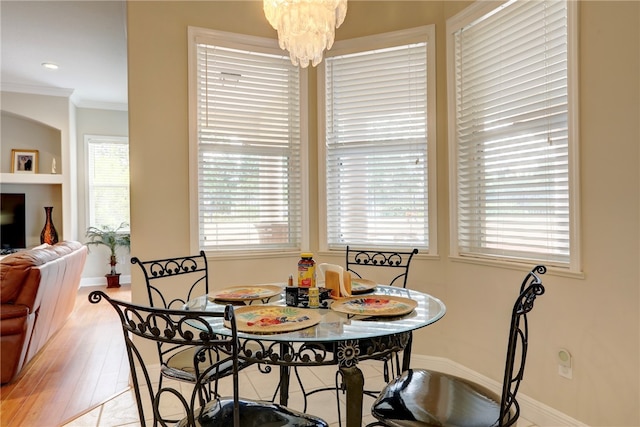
x=82, y=366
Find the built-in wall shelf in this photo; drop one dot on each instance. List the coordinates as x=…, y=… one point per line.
x=28, y=178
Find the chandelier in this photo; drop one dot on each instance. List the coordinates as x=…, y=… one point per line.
x=305, y=27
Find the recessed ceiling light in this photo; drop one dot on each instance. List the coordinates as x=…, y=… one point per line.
x=50, y=65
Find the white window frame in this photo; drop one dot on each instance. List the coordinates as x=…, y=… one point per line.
x=573, y=267
x=254, y=44
x=368, y=43
x=89, y=211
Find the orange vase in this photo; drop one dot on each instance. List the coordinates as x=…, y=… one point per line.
x=49, y=234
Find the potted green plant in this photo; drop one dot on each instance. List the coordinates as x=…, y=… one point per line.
x=113, y=238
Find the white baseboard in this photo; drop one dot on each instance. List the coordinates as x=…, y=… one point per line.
x=532, y=410
x=100, y=281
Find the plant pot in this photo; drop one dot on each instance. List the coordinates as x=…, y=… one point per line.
x=113, y=280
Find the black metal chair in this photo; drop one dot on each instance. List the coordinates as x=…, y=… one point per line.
x=359, y=261
x=421, y=397
x=363, y=264
x=171, y=282
x=191, y=329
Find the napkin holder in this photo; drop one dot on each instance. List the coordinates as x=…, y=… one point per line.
x=337, y=279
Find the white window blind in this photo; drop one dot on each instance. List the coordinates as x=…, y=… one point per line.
x=248, y=131
x=108, y=180
x=511, y=133
x=376, y=147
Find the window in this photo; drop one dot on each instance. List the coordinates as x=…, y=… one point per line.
x=108, y=180
x=511, y=134
x=379, y=140
x=247, y=147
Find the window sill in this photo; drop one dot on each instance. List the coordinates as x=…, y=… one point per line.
x=518, y=265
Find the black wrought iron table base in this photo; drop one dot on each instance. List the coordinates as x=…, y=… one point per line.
x=344, y=354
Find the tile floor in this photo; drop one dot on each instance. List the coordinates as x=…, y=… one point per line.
x=120, y=411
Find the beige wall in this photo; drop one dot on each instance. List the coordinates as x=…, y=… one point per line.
x=596, y=318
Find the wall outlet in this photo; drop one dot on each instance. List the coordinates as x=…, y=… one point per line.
x=565, y=364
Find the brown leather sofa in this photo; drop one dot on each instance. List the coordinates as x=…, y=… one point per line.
x=38, y=290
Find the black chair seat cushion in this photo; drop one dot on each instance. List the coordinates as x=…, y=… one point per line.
x=180, y=366
x=219, y=413
x=428, y=398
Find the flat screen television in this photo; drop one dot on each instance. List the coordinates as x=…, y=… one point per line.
x=12, y=221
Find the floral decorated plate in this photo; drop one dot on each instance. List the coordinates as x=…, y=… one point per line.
x=362, y=286
x=264, y=319
x=375, y=305
x=246, y=293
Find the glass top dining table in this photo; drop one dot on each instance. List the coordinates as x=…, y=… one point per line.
x=337, y=339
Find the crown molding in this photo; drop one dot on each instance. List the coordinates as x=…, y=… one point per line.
x=63, y=93
x=36, y=90
x=99, y=105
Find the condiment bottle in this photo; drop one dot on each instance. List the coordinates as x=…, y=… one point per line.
x=314, y=297
x=306, y=271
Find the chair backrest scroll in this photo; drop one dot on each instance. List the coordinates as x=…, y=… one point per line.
x=171, y=282
x=359, y=259
x=518, y=344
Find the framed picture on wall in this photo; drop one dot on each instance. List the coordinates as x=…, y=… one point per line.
x=24, y=161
